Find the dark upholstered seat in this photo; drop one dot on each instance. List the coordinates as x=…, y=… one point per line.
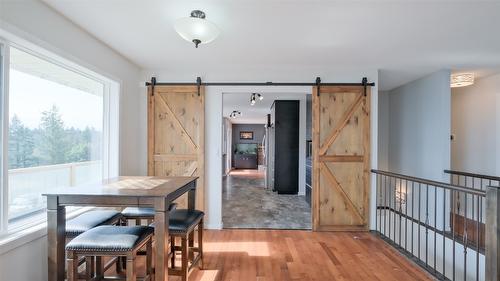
x=110, y=238
x=88, y=220
x=138, y=212
x=183, y=220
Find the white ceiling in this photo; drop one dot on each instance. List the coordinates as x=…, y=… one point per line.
x=405, y=39
x=252, y=114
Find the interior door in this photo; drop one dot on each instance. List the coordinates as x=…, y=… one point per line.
x=341, y=158
x=176, y=135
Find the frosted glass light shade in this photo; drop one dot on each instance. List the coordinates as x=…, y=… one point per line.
x=193, y=29
x=461, y=80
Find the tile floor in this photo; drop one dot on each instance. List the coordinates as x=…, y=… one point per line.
x=246, y=203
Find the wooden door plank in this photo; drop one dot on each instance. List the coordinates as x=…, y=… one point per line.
x=345, y=119
x=316, y=195
x=175, y=157
x=329, y=175
x=151, y=131
x=341, y=158
x=184, y=133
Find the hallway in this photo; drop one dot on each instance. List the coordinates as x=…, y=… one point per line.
x=246, y=203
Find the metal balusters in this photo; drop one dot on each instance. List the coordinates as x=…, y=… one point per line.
x=435, y=226
x=385, y=205
x=453, y=233
x=455, y=200
x=412, y=215
x=444, y=230
x=478, y=237
x=426, y=224
x=406, y=213
x=419, y=212
x=465, y=238
x=398, y=198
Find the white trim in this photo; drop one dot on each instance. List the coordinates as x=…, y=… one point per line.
x=4, y=119
x=213, y=139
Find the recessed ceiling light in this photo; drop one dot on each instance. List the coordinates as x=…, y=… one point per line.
x=196, y=28
x=461, y=80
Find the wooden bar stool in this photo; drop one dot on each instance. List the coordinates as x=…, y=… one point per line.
x=110, y=241
x=182, y=224
x=138, y=214
x=87, y=221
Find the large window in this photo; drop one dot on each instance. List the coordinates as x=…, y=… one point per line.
x=57, y=133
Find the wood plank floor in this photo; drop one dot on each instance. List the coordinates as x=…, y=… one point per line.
x=301, y=255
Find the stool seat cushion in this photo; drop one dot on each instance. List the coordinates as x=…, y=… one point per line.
x=182, y=220
x=138, y=212
x=88, y=220
x=108, y=238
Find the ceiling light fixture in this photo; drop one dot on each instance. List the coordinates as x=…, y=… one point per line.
x=196, y=28
x=235, y=114
x=254, y=97
x=461, y=80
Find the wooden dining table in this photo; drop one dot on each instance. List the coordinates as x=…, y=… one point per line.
x=156, y=192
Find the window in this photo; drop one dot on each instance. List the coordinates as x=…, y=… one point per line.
x=60, y=131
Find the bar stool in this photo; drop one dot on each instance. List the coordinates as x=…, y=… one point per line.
x=89, y=220
x=138, y=214
x=183, y=223
x=110, y=241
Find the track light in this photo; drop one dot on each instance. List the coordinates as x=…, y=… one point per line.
x=235, y=114
x=254, y=97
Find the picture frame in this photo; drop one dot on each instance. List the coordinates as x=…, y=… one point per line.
x=246, y=135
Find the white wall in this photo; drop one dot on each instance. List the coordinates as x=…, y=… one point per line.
x=213, y=114
x=419, y=127
x=383, y=130
x=35, y=22
x=476, y=127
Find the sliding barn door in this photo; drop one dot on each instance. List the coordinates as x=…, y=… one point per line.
x=341, y=158
x=176, y=135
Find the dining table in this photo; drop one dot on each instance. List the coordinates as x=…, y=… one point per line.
x=120, y=192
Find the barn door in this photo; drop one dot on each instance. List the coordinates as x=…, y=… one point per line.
x=341, y=158
x=176, y=135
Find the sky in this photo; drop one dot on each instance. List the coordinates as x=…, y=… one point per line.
x=30, y=95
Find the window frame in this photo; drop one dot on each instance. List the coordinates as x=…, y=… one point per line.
x=110, y=143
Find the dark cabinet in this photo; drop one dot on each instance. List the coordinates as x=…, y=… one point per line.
x=245, y=161
x=285, y=146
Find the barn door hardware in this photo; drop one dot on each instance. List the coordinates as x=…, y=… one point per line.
x=318, y=85
x=198, y=84
x=153, y=83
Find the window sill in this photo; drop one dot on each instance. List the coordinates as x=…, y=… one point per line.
x=18, y=237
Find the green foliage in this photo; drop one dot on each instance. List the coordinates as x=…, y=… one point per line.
x=21, y=145
x=51, y=143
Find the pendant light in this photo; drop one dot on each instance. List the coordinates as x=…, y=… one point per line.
x=196, y=28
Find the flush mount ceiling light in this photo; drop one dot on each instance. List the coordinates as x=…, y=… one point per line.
x=196, y=28
x=254, y=97
x=235, y=114
x=461, y=80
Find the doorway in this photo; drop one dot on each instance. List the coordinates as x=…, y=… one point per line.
x=261, y=188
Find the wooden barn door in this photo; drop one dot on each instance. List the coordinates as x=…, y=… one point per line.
x=176, y=135
x=341, y=158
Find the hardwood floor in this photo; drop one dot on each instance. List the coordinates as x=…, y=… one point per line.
x=276, y=255
x=301, y=255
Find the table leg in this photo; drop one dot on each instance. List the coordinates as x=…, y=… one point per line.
x=161, y=240
x=192, y=197
x=191, y=206
x=56, y=236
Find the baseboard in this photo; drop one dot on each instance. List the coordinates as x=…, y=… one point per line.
x=214, y=226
